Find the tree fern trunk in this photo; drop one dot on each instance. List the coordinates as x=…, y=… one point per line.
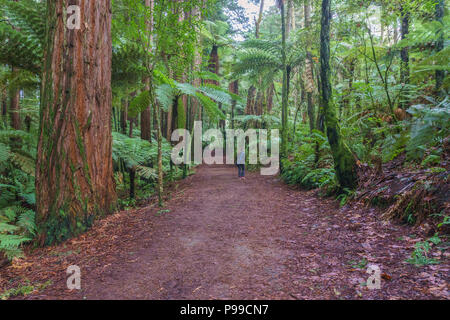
x=74, y=171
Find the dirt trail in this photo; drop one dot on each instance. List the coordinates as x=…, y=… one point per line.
x=223, y=238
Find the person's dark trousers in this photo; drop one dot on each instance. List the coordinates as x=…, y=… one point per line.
x=241, y=170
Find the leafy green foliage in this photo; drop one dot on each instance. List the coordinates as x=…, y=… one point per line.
x=17, y=220
x=22, y=33
x=420, y=255
x=305, y=171
x=135, y=151
x=17, y=226
x=429, y=126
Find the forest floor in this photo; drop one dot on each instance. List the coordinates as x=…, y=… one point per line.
x=223, y=238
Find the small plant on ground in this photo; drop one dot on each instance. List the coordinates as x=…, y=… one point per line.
x=421, y=254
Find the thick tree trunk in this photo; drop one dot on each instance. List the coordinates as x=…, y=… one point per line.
x=74, y=171
x=344, y=162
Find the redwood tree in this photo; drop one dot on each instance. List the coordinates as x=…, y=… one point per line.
x=14, y=106
x=74, y=172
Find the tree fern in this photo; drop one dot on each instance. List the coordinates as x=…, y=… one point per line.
x=17, y=226
x=4, y=153
x=429, y=125
x=22, y=34
x=139, y=103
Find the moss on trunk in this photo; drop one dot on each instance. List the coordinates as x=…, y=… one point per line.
x=74, y=172
x=344, y=161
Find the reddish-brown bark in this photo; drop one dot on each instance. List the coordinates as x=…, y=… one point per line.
x=74, y=173
x=14, y=107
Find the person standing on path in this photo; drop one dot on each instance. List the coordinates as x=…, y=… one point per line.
x=241, y=163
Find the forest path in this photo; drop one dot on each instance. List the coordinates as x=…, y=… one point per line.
x=223, y=238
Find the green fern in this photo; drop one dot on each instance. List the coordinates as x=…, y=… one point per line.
x=4, y=153
x=17, y=226
x=139, y=103
x=429, y=125
x=22, y=34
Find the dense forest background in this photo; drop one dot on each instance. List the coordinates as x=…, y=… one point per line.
x=358, y=89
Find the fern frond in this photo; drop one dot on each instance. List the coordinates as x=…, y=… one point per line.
x=210, y=106
x=27, y=222
x=165, y=95
x=4, y=153
x=139, y=103
x=256, y=60
x=147, y=172
x=25, y=163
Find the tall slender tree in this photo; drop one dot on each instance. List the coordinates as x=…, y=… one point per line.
x=14, y=104
x=284, y=100
x=404, y=53
x=309, y=77
x=344, y=161
x=146, y=119
x=440, y=74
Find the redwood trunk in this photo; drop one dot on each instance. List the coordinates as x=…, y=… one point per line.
x=14, y=106
x=74, y=172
